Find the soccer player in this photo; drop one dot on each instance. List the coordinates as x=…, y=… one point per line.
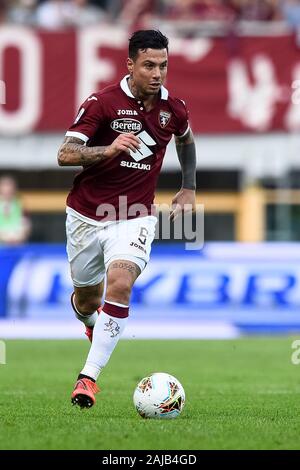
x=119, y=137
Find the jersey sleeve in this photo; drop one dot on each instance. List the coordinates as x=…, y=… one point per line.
x=182, y=119
x=89, y=118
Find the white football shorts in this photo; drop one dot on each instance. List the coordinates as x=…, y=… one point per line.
x=91, y=247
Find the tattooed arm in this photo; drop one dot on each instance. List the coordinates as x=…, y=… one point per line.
x=186, y=152
x=73, y=152
x=184, y=200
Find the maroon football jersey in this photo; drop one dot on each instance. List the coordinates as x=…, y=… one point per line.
x=100, y=119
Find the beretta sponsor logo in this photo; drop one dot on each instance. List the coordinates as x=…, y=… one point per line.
x=126, y=125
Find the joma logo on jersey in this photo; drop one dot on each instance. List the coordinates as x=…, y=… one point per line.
x=127, y=112
x=126, y=125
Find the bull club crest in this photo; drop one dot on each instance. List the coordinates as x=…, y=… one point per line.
x=164, y=118
x=112, y=327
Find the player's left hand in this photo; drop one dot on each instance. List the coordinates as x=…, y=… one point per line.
x=184, y=201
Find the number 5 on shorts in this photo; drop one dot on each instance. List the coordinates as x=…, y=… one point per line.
x=143, y=235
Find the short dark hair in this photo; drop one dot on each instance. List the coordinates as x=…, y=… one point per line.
x=144, y=39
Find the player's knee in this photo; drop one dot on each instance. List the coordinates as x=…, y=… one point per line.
x=119, y=290
x=89, y=305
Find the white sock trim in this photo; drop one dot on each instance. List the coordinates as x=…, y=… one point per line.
x=88, y=320
x=77, y=311
x=116, y=303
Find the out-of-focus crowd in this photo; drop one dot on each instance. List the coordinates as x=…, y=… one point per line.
x=58, y=14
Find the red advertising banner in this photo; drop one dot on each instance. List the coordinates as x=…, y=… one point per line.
x=229, y=84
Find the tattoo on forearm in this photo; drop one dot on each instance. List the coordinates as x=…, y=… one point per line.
x=133, y=269
x=73, y=152
x=186, y=152
x=188, y=138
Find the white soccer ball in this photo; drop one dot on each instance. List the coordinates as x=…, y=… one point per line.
x=159, y=395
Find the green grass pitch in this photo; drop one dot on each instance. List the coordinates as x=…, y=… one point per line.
x=240, y=394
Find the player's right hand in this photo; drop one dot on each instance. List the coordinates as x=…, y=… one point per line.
x=123, y=143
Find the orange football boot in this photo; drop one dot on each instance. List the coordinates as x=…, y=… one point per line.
x=84, y=393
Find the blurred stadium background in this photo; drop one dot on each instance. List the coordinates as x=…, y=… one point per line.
x=236, y=63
